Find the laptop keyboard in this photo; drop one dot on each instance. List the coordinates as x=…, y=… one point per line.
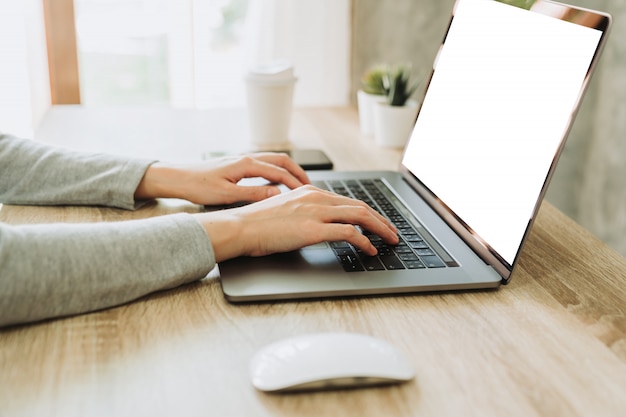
x=412, y=252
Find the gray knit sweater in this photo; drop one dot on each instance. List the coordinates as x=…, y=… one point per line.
x=62, y=269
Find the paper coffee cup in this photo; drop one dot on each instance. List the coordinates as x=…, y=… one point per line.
x=270, y=91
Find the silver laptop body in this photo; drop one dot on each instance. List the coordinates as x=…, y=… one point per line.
x=500, y=102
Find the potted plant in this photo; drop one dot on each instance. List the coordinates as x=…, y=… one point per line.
x=395, y=117
x=372, y=91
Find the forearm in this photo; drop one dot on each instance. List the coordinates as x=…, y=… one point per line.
x=58, y=270
x=33, y=173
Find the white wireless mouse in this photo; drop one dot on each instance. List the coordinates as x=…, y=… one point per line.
x=328, y=360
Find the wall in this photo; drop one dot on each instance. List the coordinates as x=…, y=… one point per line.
x=590, y=182
x=24, y=82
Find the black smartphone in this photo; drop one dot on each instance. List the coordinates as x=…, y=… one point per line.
x=308, y=159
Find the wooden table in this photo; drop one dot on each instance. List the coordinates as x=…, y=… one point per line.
x=552, y=343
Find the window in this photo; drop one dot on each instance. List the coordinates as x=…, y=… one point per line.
x=194, y=53
x=170, y=52
x=181, y=53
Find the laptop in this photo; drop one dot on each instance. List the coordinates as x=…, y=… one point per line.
x=500, y=101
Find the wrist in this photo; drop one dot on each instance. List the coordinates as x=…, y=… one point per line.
x=159, y=181
x=225, y=232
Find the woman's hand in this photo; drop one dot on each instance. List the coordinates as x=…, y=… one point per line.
x=216, y=181
x=293, y=220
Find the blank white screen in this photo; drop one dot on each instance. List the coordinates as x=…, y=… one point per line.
x=497, y=108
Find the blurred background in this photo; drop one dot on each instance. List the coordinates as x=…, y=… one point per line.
x=194, y=54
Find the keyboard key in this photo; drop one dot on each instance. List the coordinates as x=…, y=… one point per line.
x=408, y=256
x=402, y=249
x=374, y=238
x=414, y=265
x=350, y=263
x=419, y=245
x=391, y=262
x=343, y=251
x=372, y=263
x=384, y=250
x=432, y=262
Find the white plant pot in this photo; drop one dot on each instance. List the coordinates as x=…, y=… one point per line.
x=366, y=103
x=393, y=124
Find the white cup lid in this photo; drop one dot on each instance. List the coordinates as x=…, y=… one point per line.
x=272, y=72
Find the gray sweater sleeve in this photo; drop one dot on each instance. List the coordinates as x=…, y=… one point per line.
x=33, y=173
x=62, y=269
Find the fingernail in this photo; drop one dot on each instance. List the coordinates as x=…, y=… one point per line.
x=271, y=192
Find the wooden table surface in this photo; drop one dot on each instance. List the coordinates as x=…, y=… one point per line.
x=551, y=343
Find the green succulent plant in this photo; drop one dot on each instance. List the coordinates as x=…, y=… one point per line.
x=372, y=80
x=398, y=85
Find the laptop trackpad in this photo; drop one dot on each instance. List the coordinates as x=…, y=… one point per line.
x=320, y=256
x=312, y=269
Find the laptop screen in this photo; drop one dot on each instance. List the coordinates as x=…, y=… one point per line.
x=504, y=90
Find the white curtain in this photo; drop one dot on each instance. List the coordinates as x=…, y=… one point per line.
x=314, y=35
